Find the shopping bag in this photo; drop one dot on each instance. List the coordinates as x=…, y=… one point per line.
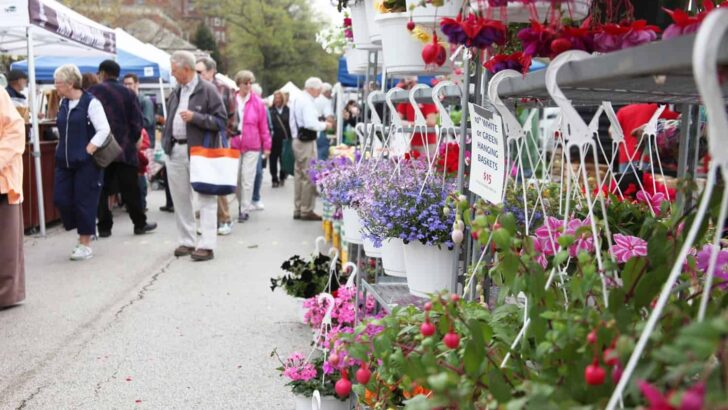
x=214, y=171
x=287, y=159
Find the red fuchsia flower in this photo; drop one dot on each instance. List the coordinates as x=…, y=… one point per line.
x=473, y=31
x=579, y=38
x=516, y=61
x=639, y=33
x=627, y=247
x=536, y=39
x=609, y=37
x=683, y=23
x=347, y=21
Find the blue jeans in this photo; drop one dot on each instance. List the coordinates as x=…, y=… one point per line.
x=258, y=179
x=143, y=190
x=322, y=146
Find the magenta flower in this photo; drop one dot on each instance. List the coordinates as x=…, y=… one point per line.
x=639, y=33
x=654, y=201
x=721, y=266
x=692, y=399
x=536, y=39
x=297, y=369
x=540, y=247
x=548, y=233
x=583, y=241
x=627, y=247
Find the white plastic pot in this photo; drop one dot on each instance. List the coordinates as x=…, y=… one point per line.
x=370, y=250
x=402, y=51
x=356, y=61
x=360, y=27
x=429, y=268
x=518, y=13
x=430, y=15
x=327, y=403
x=375, y=32
x=352, y=226
x=393, y=257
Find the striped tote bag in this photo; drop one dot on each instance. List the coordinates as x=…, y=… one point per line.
x=214, y=171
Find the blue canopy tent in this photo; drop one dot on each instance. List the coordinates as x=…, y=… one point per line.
x=45, y=66
x=354, y=81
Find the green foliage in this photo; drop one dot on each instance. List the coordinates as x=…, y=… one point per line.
x=276, y=40
x=204, y=40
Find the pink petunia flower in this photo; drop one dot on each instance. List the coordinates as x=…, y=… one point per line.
x=583, y=241
x=549, y=233
x=627, y=247
x=720, y=273
x=654, y=201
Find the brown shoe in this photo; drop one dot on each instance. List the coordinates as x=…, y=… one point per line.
x=200, y=255
x=311, y=216
x=183, y=251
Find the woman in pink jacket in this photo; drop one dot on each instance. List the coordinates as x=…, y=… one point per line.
x=254, y=137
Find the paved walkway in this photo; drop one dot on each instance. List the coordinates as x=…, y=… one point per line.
x=135, y=327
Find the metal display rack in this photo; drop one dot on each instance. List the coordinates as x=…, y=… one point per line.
x=658, y=72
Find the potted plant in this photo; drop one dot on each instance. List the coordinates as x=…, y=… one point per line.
x=409, y=207
x=306, y=278
x=307, y=375
x=337, y=180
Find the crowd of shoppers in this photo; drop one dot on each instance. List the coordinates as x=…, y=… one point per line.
x=98, y=108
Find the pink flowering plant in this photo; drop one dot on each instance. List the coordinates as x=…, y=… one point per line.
x=578, y=354
x=305, y=375
x=345, y=308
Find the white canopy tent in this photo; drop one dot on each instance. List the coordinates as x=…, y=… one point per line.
x=46, y=27
x=126, y=41
x=292, y=90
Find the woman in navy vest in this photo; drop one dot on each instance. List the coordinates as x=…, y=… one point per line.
x=82, y=128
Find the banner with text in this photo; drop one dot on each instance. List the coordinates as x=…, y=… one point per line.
x=488, y=169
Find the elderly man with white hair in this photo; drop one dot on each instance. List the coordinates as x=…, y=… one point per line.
x=305, y=127
x=195, y=108
x=325, y=108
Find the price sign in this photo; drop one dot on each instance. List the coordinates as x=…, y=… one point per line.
x=488, y=161
x=148, y=71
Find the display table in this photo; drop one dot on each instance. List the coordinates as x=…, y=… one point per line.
x=31, y=218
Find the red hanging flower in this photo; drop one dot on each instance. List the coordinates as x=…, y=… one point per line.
x=517, y=61
x=473, y=31
x=536, y=39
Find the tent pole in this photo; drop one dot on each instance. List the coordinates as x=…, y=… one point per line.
x=35, y=133
x=164, y=101
x=339, y=113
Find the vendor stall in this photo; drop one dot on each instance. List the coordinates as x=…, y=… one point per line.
x=48, y=28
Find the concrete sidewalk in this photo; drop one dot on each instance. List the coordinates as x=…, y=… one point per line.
x=135, y=327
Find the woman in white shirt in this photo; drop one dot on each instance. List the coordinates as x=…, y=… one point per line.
x=82, y=127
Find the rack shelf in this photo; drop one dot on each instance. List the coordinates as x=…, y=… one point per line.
x=451, y=94
x=659, y=72
x=391, y=292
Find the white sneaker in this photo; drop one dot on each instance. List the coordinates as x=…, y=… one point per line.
x=225, y=229
x=257, y=206
x=81, y=253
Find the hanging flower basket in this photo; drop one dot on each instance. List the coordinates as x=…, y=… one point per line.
x=360, y=26
x=352, y=226
x=540, y=10
x=393, y=257
x=356, y=60
x=429, y=268
x=430, y=15
x=370, y=250
x=402, y=50
x=375, y=33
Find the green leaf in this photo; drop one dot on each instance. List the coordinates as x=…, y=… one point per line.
x=473, y=358
x=565, y=240
x=508, y=222
x=561, y=257
x=502, y=238
x=498, y=386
